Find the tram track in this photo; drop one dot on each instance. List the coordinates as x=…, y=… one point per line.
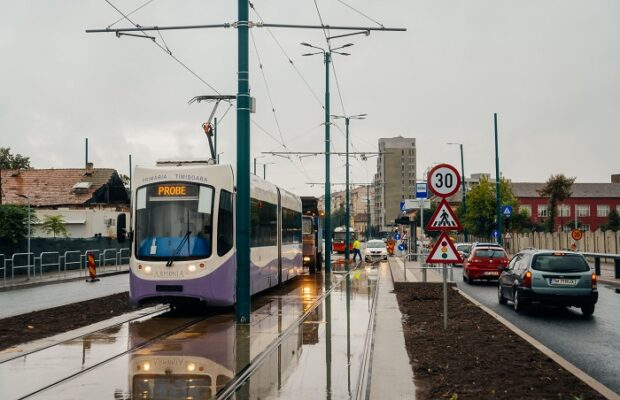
x=243, y=376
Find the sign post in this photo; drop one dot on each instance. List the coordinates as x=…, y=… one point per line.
x=444, y=180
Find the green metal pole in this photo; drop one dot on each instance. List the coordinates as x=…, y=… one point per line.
x=367, y=213
x=497, y=205
x=464, y=189
x=264, y=171
x=130, y=176
x=347, y=212
x=217, y=161
x=86, y=154
x=328, y=190
x=243, y=167
x=254, y=165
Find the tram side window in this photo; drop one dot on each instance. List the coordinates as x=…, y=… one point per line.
x=225, y=223
x=264, y=223
x=291, y=226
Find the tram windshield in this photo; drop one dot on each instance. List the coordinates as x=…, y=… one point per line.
x=174, y=219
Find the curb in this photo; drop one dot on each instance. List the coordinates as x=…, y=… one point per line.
x=53, y=282
x=587, y=379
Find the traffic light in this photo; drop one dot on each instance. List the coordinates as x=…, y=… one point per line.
x=402, y=221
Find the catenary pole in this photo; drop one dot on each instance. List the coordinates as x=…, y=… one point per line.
x=497, y=205
x=243, y=166
x=347, y=213
x=328, y=203
x=463, y=189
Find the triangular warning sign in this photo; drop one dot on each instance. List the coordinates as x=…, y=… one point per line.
x=444, y=252
x=444, y=219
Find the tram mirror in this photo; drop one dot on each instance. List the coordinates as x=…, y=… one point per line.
x=121, y=223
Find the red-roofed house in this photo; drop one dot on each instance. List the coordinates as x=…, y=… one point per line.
x=88, y=199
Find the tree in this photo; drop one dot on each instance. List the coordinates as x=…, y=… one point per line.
x=54, y=224
x=338, y=218
x=126, y=180
x=10, y=161
x=557, y=188
x=480, y=217
x=13, y=222
x=614, y=222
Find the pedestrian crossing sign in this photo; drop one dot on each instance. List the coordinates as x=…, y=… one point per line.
x=444, y=219
x=444, y=252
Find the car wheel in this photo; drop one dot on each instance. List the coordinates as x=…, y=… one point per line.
x=500, y=296
x=465, y=279
x=587, y=310
x=517, y=304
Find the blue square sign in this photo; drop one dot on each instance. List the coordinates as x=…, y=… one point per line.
x=420, y=190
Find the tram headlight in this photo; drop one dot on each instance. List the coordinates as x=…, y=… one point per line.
x=147, y=269
x=191, y=367
x=191, y=268
x=146, y=366
x=307, y=258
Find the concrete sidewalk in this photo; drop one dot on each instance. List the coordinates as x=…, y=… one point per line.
x=40, y=294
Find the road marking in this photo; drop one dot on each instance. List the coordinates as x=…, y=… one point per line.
x=587, y=379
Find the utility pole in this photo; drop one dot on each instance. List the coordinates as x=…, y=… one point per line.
x=217, y=156
x=347, y=212
x=367, y=213
x=464, y=198
x=498, y=211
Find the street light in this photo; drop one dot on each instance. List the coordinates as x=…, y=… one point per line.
x=462, y=184
x=347, y=213
x=327, y=58
x=27, y=198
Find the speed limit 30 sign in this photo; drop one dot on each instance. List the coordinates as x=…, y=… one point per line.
x=444, y=180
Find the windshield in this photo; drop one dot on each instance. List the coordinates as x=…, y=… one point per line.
x=340, y=236
x=306, y=226
x=464, y=248
x=173, y=219
x=490, y=253
x=375, y=245
x=560, y=263
x=172, y=387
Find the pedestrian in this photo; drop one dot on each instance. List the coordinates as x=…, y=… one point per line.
x=356, y=249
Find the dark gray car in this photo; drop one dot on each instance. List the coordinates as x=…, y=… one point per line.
x=560, y=278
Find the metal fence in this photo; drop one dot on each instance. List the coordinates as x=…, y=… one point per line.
x=54, y=265
x=427, y=272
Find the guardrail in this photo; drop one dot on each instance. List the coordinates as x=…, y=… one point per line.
x=597, y=262
x=424, y=267
x=50, y=263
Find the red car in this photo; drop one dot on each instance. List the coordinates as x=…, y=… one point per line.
x=484, y=263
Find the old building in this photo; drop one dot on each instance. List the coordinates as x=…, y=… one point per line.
x=589, y=204
x=89, y=200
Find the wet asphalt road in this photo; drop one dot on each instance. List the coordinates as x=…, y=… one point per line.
x=593, y=345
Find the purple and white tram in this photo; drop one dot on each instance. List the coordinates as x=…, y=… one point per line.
x=183, y=234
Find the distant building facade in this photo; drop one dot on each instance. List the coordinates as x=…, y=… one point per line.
x=395, y=179
x=89, y=200
x=590, y=204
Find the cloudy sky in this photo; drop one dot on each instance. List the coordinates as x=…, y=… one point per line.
x=550, y=69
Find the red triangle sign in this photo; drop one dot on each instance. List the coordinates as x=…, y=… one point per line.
x=444, y=252
x=444, y=219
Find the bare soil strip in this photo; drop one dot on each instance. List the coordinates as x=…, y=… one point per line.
x=477, y=357
x=40, y=324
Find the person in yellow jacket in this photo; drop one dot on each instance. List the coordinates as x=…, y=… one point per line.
x=356, y=249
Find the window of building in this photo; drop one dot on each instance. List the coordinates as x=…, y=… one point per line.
x=585, y=227
x=563, y=210
x=567, y=228
x=543, y=210
x=582, y=210
x=527, y=208
x=602, y=210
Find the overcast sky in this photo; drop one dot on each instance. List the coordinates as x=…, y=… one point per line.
x=550, y=69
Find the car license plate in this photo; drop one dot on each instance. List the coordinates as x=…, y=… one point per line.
x=493, y=273
x=563, y=282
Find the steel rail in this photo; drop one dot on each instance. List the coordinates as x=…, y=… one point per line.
x=149, y=342
x=246, y=373
x=363, y=383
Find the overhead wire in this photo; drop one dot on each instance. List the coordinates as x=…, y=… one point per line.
x=361, y=13
x=130, y=13
x=289, y=59
x=262, y=70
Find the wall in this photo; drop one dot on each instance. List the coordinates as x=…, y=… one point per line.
x=81, y=223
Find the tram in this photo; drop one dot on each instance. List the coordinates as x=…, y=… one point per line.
x=312, y=234
x=182, y=234
x=339, y=238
